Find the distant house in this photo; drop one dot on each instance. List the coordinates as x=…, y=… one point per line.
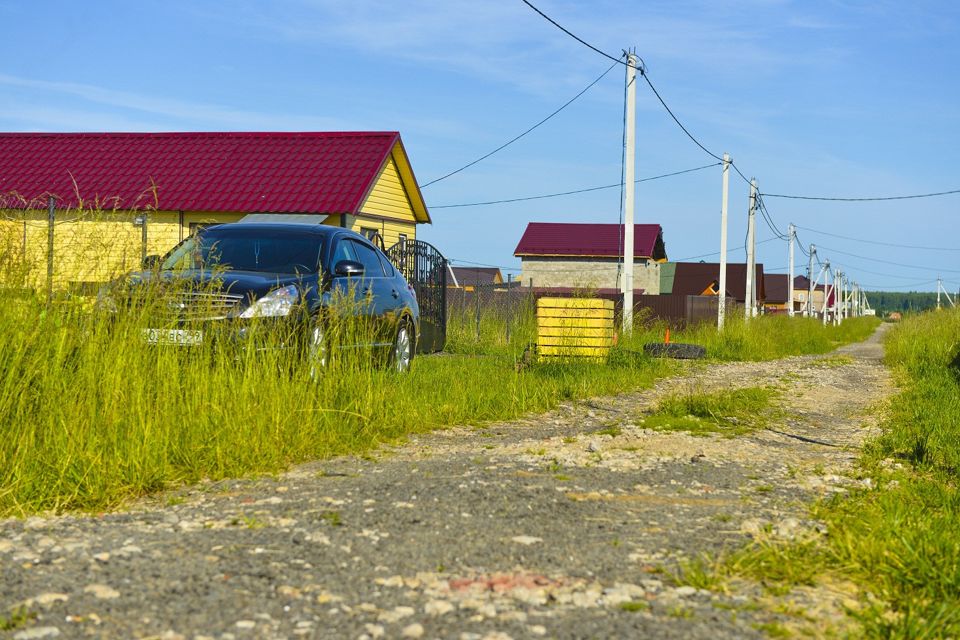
x=777, y=287
x=589, y=256
x=801, y=292
x=702, y=279
x=141, y=193
x=468, y=278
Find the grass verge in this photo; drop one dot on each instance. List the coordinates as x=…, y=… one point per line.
x=895, y=539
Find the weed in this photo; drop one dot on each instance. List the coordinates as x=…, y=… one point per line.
x=332, y=518
x=772, y=629
x=763, y=488
x=729, y=413
x=635, y=605
x=679, y=611
x=18, y=618
x=701, y=572
x=609, y=431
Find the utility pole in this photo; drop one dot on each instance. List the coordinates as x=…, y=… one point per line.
x=809, y=306
x=628, y=172
x=792, y=232
x=722, y=280
x=827, y=290
x=939, y=286
x=751, y=244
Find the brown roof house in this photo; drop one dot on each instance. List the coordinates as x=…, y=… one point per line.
x=589, y=256
x=777, y=292
x=469, y=278
x=703, y=279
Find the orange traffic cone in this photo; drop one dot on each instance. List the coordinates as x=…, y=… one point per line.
x=666, y=338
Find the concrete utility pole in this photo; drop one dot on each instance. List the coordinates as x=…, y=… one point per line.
x=827, y=290
x=628, y=172
x=750, y=301
x=722, y=280
x=939, y=286
x=792, y=232
x=808, y=308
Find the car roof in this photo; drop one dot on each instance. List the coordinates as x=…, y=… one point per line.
x=312, y=229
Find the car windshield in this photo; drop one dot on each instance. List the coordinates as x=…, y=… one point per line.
x=234, y=249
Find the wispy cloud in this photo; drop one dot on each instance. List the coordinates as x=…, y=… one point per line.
x=167, y=113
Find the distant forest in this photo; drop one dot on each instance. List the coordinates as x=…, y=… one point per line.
x=886, y=301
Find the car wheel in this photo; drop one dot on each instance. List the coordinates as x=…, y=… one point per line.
x=318, y=353
x=401, y=356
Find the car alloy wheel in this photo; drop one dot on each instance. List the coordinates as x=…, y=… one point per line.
x=403, y=349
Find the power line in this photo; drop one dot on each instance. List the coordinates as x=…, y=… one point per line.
x=899, y=264
x=581, y=40
x=511, y=141
x=715, y=253
x=877, y=242
x=642, y=70
x=869, y=199
x=568, y=193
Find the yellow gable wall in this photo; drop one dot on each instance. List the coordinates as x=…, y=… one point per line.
x=387, y=208
x=388, y=198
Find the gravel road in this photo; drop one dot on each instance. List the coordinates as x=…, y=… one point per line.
x=562, y=525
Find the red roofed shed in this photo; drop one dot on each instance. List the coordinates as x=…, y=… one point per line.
x=581, y=255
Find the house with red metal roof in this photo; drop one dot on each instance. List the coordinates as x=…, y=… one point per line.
x=125, y=195
x=469, y=278
x=589, y=256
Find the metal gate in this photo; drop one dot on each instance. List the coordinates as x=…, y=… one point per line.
x=425, y=269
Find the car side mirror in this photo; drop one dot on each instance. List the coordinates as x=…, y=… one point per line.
x=151, y=262
x=348, y=268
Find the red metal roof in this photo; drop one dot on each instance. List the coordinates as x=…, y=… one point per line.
x=577, y=239
x=276, y=172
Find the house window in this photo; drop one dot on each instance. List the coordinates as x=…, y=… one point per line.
x=402, y=239
x=368, y=232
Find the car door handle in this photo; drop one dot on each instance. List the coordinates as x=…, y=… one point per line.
x=395, y=293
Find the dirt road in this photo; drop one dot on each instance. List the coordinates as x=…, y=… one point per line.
x=563, y=525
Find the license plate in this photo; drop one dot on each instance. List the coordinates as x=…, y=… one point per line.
x=180, y=337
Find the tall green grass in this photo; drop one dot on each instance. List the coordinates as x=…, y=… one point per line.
x=898, y=540
x=770, y=337
x=94, y=416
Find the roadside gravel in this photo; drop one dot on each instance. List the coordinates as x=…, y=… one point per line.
x=563, y=525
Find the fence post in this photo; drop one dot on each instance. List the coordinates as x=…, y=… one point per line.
x=476, y=295
x=143, y=240
x=51, y=217
x=509, y=298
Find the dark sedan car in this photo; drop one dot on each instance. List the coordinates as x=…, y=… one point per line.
x=298, y=275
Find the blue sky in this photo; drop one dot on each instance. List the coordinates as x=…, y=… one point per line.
x=823, y=97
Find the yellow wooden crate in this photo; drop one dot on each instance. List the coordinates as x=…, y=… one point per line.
x=576, y=328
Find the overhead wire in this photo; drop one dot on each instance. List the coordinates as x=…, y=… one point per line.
x=877, y=242
x=512, y=140
x=568, y=193
x=866, y=199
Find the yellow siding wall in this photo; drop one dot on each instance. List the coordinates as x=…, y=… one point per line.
x=389, y=229
x=388, y=198
x=88, y=247
x=92, y=247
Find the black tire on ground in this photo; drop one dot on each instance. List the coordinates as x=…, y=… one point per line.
x=677, y=350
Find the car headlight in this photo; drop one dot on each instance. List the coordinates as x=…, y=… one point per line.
x=276, y=303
